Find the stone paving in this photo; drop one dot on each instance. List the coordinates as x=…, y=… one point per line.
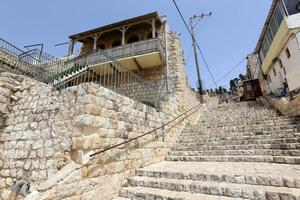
x=236, y=151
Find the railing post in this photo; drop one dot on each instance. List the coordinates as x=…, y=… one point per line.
x=71, y=48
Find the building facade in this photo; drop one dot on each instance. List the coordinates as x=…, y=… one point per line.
x=277, y=54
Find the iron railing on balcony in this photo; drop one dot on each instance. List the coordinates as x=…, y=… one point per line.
x=128, y=50
x=16, y=60
x=61, y=75
x=112, y=75
x=56, y=68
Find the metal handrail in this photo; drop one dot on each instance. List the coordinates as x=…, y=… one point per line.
x=15, y=51
x=120, y=77
x=147, y=133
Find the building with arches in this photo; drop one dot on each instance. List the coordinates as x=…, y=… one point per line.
x=135, y=41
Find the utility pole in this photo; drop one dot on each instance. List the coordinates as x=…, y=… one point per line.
x=192, y=19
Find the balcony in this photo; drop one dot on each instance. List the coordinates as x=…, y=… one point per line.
x=135, y=56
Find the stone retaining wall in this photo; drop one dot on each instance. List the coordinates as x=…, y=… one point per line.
x=45, y=130
x=287, y=108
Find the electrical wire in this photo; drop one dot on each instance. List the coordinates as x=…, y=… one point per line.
x=201, y=52
x=229, y=72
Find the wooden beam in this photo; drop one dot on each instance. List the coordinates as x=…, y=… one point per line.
x=137, y=64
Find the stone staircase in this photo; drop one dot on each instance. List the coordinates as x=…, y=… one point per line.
x=235, y=151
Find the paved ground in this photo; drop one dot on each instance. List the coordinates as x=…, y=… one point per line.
x=230, y=168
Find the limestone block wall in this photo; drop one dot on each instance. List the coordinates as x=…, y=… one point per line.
x=46, y=129
x=104, y=174
x=36, y=136
x=287, y=108
x=7, y=87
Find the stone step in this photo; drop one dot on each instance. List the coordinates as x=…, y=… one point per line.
x=241, y=115
x=236, y=141
x=247, y=124
x=228, y=129
x=216, y=188
x=259, y=132
x=240, y=135
x=267, y=174
x=145, y=193
x=238, y=158
x=270, y=152
x=121, y=198
x=245, y=121
x=288, y=146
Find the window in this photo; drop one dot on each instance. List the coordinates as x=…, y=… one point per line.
x=278, y=15
x=291, y=6
x=274, y=25
x=282, y=67
x=274, y=72
x=280, y=64
x=288, y=53
x=116, y=43
x=269, y=79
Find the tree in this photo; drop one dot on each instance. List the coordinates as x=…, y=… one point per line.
x=216, y=91
x=232, y=85
x=242, y=77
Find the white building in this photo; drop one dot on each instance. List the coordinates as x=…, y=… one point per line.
x=278, y=48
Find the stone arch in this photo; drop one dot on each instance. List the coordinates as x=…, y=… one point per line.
x=101, y=46
x=149, y=36
x=116, y=43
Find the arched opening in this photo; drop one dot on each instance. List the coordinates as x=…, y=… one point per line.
x=101, y=46
x=150, y=35
x=132, y=39
x=116, y=43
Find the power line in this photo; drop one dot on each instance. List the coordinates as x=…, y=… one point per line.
x=201, y=53
x=189, y=56
x=230, y=71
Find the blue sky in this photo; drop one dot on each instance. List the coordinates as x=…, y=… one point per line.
x=225, y=38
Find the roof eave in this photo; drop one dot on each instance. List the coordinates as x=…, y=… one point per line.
x=266, y=25
x=116, y=24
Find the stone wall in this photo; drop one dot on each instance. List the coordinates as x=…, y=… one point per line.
x=36, y=132
x=46, y=129
x=285, y=107
x=7, y=86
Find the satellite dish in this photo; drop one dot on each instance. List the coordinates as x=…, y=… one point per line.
x=298, y=6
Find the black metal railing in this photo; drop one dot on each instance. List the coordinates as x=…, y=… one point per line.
x=99, y=66
x=112, y=75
